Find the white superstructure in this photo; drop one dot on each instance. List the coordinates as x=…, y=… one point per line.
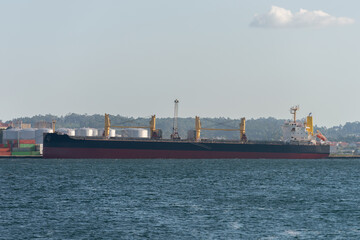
x=295, y=131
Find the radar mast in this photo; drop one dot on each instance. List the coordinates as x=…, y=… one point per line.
x=293, y=111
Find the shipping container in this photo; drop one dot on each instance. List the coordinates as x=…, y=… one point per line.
x=23, y=149
x=27, y=141
x=27, y=146
x=35, y=153
x=5, y=150
x=5, y=153
x=21, y=153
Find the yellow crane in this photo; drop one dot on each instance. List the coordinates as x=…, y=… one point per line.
x=154, y=133
x=198, y=128
x=309, y=125
x=53, y=124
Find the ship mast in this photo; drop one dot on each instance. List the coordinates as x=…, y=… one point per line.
x=293, y=111
x=175, y=134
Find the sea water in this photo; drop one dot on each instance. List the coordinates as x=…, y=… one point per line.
x=179, y=199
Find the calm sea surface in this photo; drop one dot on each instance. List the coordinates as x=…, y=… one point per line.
x=179, y=199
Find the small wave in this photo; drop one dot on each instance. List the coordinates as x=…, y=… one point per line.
x=292, y=233
x=236, y=225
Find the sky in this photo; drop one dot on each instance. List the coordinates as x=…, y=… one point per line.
x=230, y=58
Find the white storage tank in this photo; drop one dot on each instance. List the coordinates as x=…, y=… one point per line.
x=135, y=133
x=67, y=131
x=100, y=132
x=112, y=132
x=95, y=132
x=11, y=134
x=84, y=132
x=39, y=134
x=28, y=133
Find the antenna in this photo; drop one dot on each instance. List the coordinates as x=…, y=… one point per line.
x=175, y=134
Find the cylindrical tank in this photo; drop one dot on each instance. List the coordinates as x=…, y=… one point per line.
x=11, y=134
x=112, y=132
x=67, y=131
x=28, y=133
x=39, y=134
x=84, y=132
x=71, y=132
x=135, y=133
x=95, y=132
x=100, y=132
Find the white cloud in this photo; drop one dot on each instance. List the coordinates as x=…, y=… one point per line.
x=279, y=17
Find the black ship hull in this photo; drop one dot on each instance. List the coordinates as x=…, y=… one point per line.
x=63, y=146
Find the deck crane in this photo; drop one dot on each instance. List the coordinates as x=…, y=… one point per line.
x=241, y=128
x=154, y=133
x=175, y=133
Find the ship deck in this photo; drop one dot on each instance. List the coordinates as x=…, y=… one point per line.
x=189, y=141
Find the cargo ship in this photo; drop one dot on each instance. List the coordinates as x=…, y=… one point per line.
x=299, y=142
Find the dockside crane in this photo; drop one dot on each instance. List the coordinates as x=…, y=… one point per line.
x=175, y=133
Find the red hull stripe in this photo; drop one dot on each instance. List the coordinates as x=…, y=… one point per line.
x=55, y=152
